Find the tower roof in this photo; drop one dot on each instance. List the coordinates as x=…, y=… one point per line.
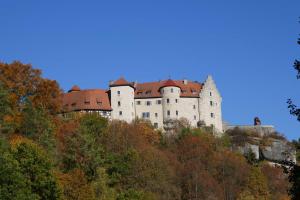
x=121, y=82
x=75, y=88
x=170, y=83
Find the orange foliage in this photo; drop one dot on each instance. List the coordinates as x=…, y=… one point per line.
x=22, y=81
x=74, y=185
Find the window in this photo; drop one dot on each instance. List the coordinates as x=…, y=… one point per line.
x=156, y=115
x=120, y=113
x=138, y=102
x=210, y=94
x=211, y=103
x=119, y=103
x=176, y=100
x=212, y=115
x=168, y=113
x=158, y=102
x=172, y=90
x=155, y=125
x=148, y=103
x=194, y=107
x=168, y=100
x=146, y=115
x=119, y=93
x=176, y=112
x=195, y=117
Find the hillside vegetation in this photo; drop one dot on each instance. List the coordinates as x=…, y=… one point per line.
x=43, y=156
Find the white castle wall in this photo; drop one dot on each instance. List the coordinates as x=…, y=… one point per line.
x=208, y=94
x=142, y=107
x=126, y=98
x=189, y=109
x=170, y=94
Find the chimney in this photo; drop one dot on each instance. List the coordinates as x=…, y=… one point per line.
x=185, y=81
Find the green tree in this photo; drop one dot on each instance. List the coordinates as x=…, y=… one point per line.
x=101, y=187
x=13, y=183
x=39, y=126
x=6, y=113
x=36, y=167
x=83, y=148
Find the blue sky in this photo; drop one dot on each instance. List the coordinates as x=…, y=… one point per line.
x=248, y=46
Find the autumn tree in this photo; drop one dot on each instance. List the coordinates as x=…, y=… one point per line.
x=256, y=186
x=75, y=186
x=277, y=181
x=24, y=85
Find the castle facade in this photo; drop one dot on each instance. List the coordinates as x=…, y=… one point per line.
x=159, y=102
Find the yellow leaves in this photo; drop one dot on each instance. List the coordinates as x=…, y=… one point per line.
x=16, y=140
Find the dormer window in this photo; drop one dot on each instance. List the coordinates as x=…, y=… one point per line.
x=139, y=92
x=148, y=92
x=73, y=104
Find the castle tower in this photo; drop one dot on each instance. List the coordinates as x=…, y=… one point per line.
x=210, y=105
x=122, y=100
x=170, y=100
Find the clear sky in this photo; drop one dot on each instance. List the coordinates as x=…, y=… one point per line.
x=247, y=45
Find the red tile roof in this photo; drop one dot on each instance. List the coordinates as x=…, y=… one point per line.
x=152, y=89
x=169, y=83
x=95, y=99
x=74, y=88
x=121, y=82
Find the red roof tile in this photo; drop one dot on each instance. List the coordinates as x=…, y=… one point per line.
x=152, y=89
x=86, y=100
x=121, y=82
x=74, y=88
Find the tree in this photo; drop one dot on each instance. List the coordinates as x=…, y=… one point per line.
x=38, y=125
x=13, y=183
x=82, y=148
x=101, y=187
x=25, y=84
x=277, y=181
x=75, y=186
x=256, y=186
x=6, y=114
x=36, y=167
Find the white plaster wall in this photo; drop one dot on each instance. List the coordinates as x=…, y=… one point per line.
x=209, y=93
x=172, y=106
x=188, y=111
x=152, y=109
x=126, y=98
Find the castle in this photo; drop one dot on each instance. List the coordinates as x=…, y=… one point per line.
x=159, y=102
